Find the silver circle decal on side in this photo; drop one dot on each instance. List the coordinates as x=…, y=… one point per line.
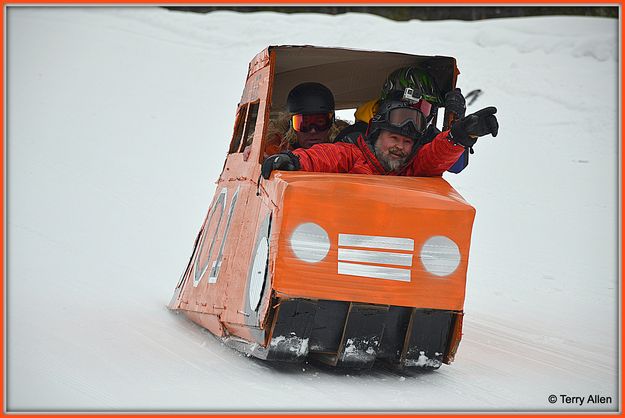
x=259, y=269
x=310, y=242
x=440, y=255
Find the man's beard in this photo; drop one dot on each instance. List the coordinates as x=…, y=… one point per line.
x=389, y=164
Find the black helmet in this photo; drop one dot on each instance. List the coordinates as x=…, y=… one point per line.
x=420, y=83
x=402, y=117
x=309, y=98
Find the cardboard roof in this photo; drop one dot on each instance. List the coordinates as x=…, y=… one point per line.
x=353, y=76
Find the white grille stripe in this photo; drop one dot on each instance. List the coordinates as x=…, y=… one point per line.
x=369, y=241
x=374, y=272
x=379, y=257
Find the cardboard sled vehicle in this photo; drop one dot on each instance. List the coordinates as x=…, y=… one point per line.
x=342, y=268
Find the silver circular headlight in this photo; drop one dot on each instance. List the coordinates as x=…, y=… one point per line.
x=440, y=255
x=310, y=242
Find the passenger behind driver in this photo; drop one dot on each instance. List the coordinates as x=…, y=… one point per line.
x=394, y=87
x=309, y=120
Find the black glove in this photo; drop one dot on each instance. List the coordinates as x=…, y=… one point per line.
x=455, y=102
x=466, y=130
x=283, y=161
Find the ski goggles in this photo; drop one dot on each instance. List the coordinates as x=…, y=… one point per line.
x=320, y=122
x=401, y=117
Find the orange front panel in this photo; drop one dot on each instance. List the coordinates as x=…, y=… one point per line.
x=389, y=240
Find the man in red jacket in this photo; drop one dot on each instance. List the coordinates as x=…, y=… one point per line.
x=392, y=145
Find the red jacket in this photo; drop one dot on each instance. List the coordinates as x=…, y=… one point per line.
x=431, y=160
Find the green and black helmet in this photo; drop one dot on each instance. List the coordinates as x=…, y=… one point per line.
x=422, y=84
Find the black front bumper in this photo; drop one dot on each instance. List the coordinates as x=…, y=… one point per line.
x=355, y=335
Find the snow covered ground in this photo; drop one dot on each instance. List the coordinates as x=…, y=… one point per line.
x=118, y=125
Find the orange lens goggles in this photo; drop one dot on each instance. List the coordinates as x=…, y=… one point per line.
x=318, y=121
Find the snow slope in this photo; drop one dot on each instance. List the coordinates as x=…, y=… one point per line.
x=118, y=125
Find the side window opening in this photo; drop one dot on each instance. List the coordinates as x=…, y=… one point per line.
x=250, y=125
x=244, y=128
x=238, y=129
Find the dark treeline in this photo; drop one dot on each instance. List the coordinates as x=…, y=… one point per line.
x=419, y=12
